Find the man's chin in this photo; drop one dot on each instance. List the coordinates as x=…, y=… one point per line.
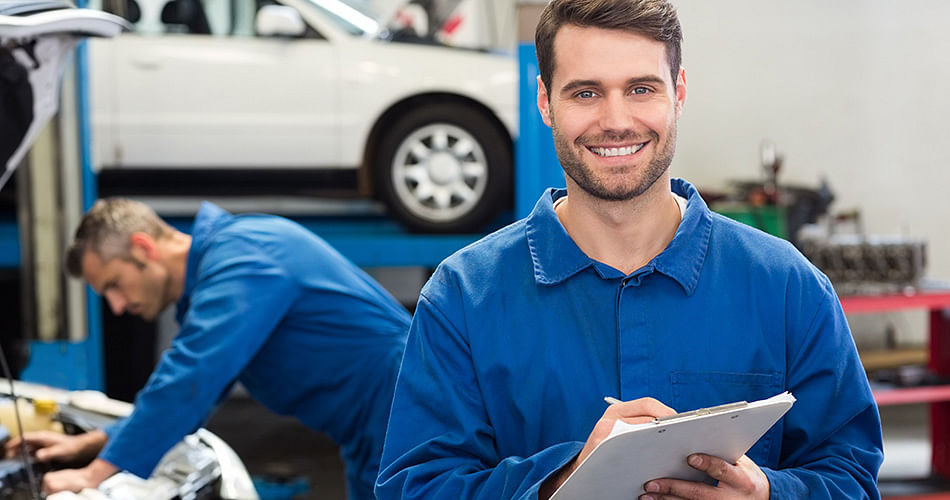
x=622, y=189
x=617, y=193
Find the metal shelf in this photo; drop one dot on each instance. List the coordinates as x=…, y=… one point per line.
x=854, y=304
x=912, y=395
x=938, y=397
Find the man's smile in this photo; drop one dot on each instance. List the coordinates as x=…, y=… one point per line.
x=608, y=152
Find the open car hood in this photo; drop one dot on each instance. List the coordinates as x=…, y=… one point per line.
x=36, y=38
x=29, y=20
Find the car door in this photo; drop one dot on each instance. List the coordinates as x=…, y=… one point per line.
x=195, y=87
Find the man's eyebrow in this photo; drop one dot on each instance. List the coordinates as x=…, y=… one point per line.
x=576, y=84
x=646, y=79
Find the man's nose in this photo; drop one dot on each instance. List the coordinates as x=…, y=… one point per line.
x=116, y=302
x=616, y=114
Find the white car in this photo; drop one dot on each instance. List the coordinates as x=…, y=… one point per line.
x=307, y=85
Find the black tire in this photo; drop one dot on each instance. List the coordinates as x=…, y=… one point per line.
x=444, y=167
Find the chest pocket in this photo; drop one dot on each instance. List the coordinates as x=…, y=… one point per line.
x=693, y=390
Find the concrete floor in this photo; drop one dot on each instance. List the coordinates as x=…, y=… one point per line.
x=282, y=449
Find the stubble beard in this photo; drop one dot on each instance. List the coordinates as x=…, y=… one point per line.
x=154, y=292
x=587, y=180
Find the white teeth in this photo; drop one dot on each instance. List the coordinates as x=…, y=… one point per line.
x=608, y=152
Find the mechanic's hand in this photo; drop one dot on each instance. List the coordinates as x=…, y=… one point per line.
x=76, y=480
x=743, y=480
x=638, y=411
x=48, y=446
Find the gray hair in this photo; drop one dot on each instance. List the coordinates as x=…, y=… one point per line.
x=107, y=229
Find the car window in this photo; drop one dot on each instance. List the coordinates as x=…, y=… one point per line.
x=194, y=17
x=127, y=9
x=352, y=16
x=186, y=16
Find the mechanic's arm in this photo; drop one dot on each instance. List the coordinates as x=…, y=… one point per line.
x=440, y=442
x=230, y=316
x=232, y=312
x=831, y=437
x=831, y=443
x=832, y=446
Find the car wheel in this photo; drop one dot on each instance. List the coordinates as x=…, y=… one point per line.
x=444, y=168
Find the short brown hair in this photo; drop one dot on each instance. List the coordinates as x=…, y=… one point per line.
x=107, y=229
x=655, y=19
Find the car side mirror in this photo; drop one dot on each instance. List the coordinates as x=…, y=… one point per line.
x=279, y=20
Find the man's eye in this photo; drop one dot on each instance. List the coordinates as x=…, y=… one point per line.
x=641, y=90
x=585, y=94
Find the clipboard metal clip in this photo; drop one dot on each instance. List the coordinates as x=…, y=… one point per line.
x=702, y=411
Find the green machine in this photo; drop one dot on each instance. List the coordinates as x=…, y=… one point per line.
x=780, y=210
x=772, y=219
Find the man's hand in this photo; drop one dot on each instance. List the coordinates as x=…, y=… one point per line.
x=743, y=480
x=48, y=446
x=637, y=411
x=76, y=480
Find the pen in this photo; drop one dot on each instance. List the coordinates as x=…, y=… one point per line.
x=613, y=401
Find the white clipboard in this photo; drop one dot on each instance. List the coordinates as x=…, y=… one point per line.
x=633, y=454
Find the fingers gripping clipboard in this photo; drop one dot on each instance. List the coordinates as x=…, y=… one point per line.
x=633, y=454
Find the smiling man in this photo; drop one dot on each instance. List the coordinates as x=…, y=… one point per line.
x=261, y=301
x=623, y=284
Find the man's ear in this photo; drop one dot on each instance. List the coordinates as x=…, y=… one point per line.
x=544, y=103
x=143, y=247
x=680, y=92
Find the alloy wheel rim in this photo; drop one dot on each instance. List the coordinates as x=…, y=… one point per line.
x=440, y=172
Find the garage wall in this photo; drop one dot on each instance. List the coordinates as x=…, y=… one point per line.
x=857, y=91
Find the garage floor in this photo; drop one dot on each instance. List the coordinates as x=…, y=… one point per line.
x=281, y=449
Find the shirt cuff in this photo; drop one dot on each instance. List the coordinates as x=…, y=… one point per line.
x=568, y=452
x=783, y=484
